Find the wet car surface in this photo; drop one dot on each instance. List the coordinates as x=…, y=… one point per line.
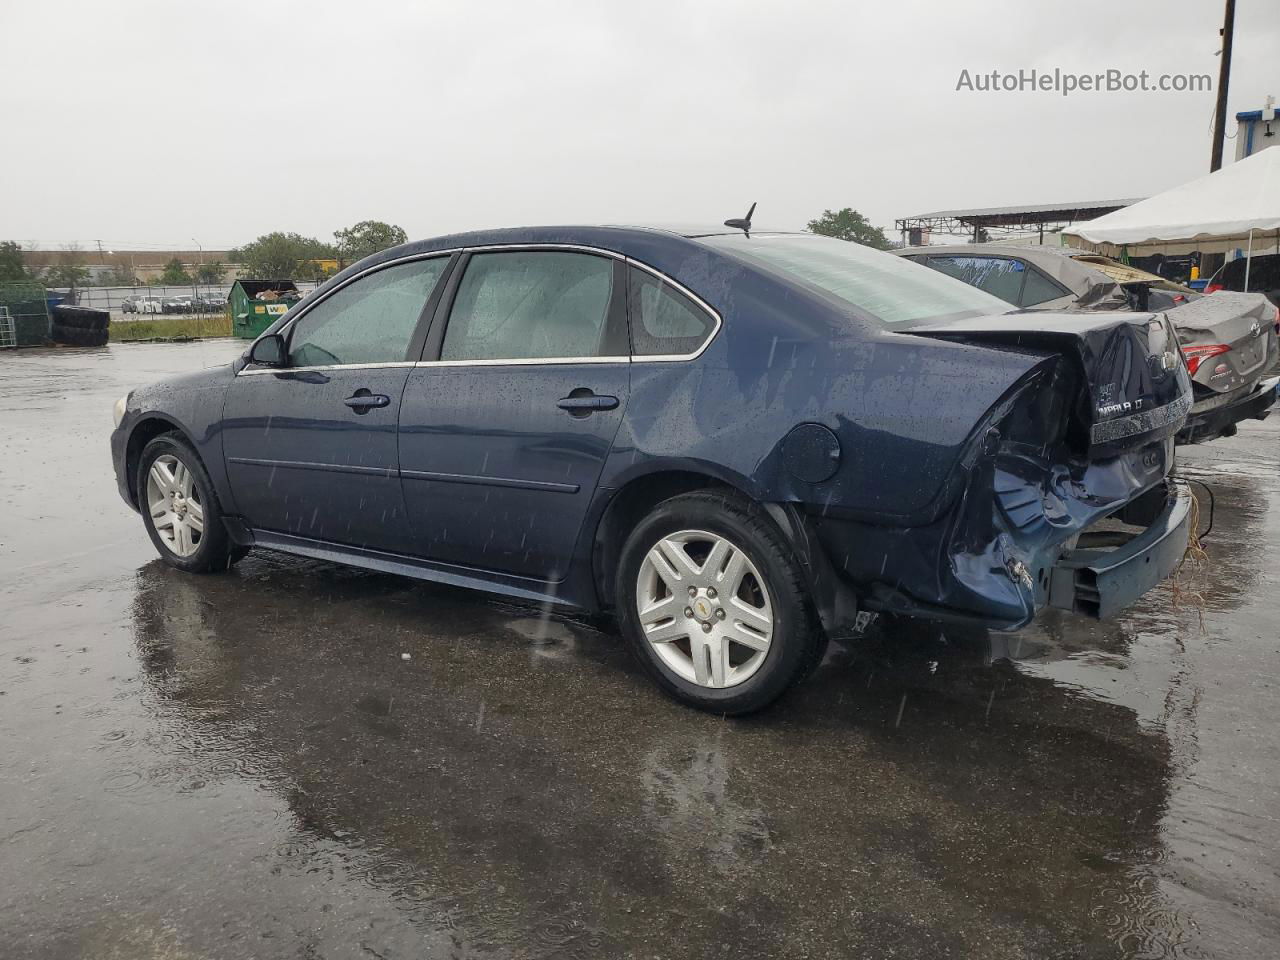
x=248, y=765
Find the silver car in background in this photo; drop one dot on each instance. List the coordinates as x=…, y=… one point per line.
x=1229, y=340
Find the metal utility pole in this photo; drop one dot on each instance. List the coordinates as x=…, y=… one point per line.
x=1224, y=77
x=195, y=280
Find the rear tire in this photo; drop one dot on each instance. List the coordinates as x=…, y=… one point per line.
x=713, y=604
x=180, y=508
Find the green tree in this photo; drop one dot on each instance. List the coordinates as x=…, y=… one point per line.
x=174, y=273
x=211, y=272
x=69, y=271
x=367, y=237
x=13, y=268
x=849, y=224
x=120, y=276
x=281, y=256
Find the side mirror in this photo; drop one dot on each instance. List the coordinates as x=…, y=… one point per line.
x=268, y=351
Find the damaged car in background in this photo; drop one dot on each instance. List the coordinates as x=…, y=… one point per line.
x=737, y=442
x=1229, y=339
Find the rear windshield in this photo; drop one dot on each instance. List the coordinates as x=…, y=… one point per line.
x=888, y=288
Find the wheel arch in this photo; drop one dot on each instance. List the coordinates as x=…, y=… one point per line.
x=631, y=502
x=834, y=604
x=144, y=431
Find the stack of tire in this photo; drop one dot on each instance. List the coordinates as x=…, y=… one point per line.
x=80, y=326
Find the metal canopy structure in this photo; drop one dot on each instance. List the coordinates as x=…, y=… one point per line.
x=979, y=222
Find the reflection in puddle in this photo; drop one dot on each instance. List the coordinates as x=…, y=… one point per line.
x=510, y=802
x=688, y=801
x=548, y=637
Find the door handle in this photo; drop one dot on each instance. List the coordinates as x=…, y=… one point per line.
x=582, y=403
x=362, y=401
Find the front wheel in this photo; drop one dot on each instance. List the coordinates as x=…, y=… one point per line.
x=181, y=510
x=713, y=604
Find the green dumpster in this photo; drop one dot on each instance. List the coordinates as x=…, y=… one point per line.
x=28, y=305
x=256, y=304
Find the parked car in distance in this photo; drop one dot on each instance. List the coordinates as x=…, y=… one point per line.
x=1230, y=343
x=150, y=305
x=213, y=301
x=1264, y=277
x=129, y=304
x=734, y=443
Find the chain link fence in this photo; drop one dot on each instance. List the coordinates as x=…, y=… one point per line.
x=127, y=303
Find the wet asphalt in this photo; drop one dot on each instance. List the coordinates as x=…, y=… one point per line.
x=295, y=759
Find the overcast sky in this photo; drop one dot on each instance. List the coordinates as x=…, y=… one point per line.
x=152, y=123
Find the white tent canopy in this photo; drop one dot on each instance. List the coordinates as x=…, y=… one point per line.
x=1235, y=207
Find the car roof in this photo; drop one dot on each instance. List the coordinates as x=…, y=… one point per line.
x=692, y=231
x=671, y=249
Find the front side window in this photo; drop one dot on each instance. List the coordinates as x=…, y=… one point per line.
x=884, y=287
x=664, y=322
x=370, y=320
x=526, y=305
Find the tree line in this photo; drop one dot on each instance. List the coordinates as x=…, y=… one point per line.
x=292, y=256
x=70, y=270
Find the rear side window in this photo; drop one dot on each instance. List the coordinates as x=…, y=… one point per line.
x=1038, y=288
x=370, y=320
x=527, y=305
x=664, y=322
x=999, y=276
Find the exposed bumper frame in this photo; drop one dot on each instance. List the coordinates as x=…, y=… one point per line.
x=1100, y=583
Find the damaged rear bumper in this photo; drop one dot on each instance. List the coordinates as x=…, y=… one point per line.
x=1008, y=563
x=1211, y=423
x=1100, y=583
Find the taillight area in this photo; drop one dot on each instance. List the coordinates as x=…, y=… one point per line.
x=1278, y=321
x=1214, y=288
x=1197, y=355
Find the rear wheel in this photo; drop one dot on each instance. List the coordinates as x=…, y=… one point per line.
x=181, y=510
x=713, y=604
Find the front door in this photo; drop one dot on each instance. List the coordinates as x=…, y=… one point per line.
x=311, y=447
x=502, y=439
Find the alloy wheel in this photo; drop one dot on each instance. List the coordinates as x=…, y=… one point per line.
x=173, y=500
x=705, y=609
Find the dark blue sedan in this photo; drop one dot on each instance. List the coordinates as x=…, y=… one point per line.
x=736, y=443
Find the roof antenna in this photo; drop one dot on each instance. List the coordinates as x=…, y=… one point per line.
x=743, y=224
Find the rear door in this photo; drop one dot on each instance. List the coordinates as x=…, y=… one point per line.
x=311, y=447
x=506, y=425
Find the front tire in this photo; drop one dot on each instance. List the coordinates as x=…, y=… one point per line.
x=180, y=509
x=713, y=605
